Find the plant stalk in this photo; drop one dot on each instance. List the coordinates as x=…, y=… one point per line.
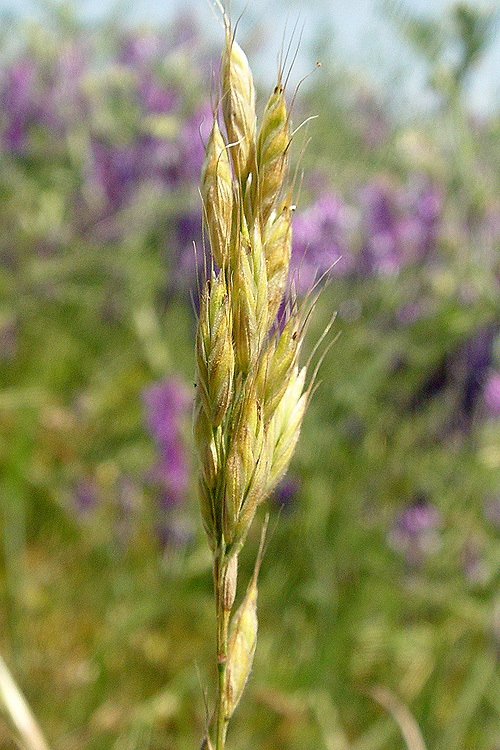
x=222, y=615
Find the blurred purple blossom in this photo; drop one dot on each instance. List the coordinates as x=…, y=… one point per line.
x=18, y=103
x=400, y=225
x=388, y=228
x=319, y=243
x=491, y=392
x=415, y=532
x=167, y=405
x=286, y=493
x=371, y=120
x=474, y=564
x=85, y=494
x=194, y=134
x=9, y=338
x=492, y=511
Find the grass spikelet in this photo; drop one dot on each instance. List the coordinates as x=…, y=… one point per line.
x=217, y=194
x=238, y=106
x=250, y=301
x=285, y=426
x=277, y=244
x=243, y=639
x=208, y=513
x=245, y=472
x=283, y=352
x=214, y=349
x=272, y=152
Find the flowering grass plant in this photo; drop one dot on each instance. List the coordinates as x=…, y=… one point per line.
x=251, y=393
x=378, y=591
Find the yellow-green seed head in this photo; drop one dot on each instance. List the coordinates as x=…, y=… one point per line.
x=272, y=153
x=284, y=427
x=282, y=356
x=245, y=329
x=217, y=194
x=238, y=107
x=208, y=511
x=214, y=350
x=241, y=647
x=277, y=245
x=205, y=445
x=244, y=472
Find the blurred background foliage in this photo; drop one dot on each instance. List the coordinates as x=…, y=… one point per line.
x=383, y=569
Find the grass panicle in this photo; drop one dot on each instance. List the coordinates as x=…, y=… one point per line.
x=251, y=391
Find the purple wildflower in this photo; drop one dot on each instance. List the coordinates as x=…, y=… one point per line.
x=415, y=531
x=167, y=405
x=285, y=494
x=370, y=121
x=400, y=225
x=475, y=567
x=85, y=494
x=18, y=102
x=194, y=134
x=491, y=392
x=319, y=242
x=136, y=49
x=156, y=98
x=492, y=511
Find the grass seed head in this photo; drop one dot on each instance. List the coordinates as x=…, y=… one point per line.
x=277, y=246
x=217, y=194
x=284, y=427
x=214, y=350
x=238, y=107
x=272, y=152
x=251, y=397
x=244, y=472
x=208, y=512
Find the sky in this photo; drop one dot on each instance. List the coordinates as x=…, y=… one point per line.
x=362, y=38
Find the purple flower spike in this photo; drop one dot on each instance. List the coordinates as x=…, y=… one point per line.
x=319, y=243
x=167, y=405
x=401, y=225
x=18, y=101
